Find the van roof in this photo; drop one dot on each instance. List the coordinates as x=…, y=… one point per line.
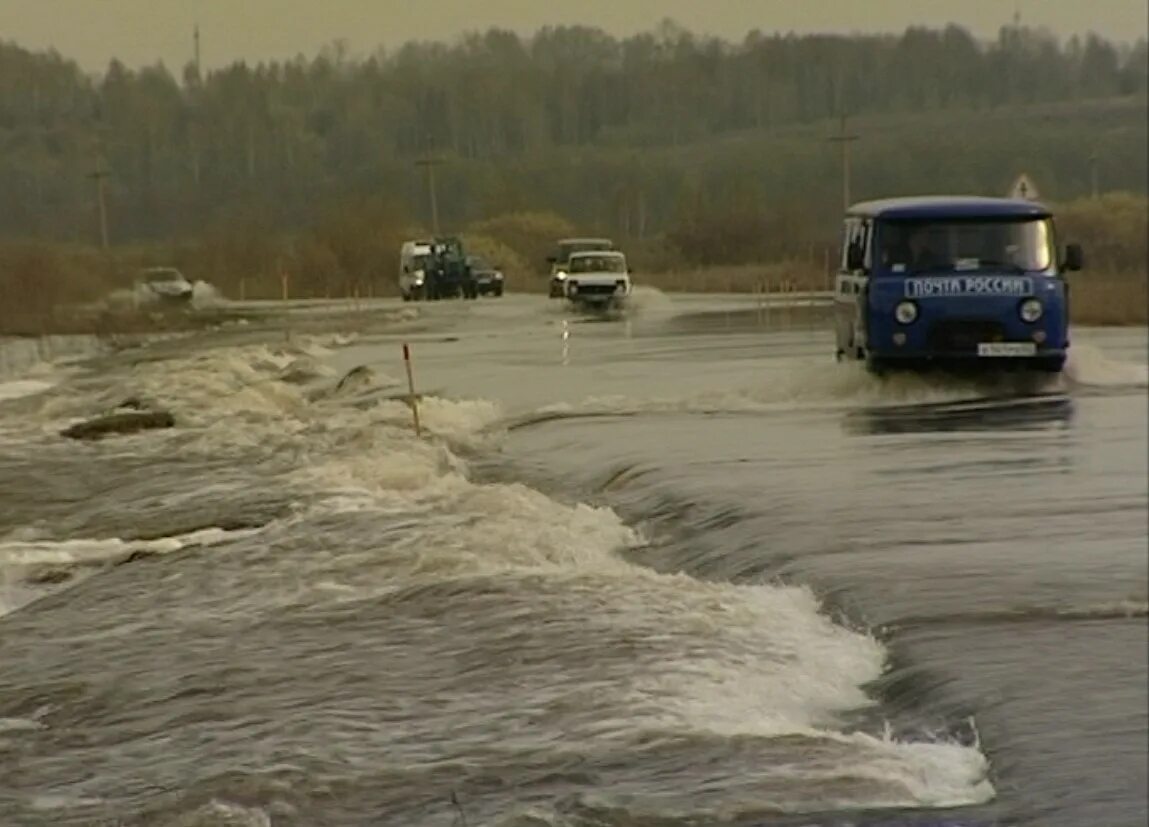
x=949, y=206
x=597, y=253
x=577, y=240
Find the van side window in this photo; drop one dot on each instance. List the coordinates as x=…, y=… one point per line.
x=849, y=229
x=856, y=235
x=865, y=238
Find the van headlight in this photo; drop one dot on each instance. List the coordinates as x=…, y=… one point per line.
x=418, y=279
x=560, y=276
x=1030, y=310
x=906, y=312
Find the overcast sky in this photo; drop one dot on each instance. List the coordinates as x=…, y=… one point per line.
x=145, y=31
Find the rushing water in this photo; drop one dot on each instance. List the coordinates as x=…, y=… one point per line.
x=673, y=569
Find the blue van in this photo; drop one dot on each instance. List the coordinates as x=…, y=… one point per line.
x=955, y=281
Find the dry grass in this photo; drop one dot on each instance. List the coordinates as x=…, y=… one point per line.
x=42, y=285
x=59, y=289
x=1103, y=299
x=782, y=277
x=1109, y=299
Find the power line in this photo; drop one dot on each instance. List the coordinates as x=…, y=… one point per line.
x=195, y=37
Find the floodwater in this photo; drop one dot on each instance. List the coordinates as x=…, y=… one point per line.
x=677, y=568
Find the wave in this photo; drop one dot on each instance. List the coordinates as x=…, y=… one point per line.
x=1121, y=609
x=400, y=517
x=31, y=568
x=814, y=384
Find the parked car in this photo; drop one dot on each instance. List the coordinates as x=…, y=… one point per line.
x=488, y=277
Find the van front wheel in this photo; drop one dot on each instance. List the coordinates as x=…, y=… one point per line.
x=876, y=366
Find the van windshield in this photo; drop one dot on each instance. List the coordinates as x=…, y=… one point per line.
x=598, y=264
x=162, y=275
x=1017, y=245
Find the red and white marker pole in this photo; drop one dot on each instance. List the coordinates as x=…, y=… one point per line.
x=411, y=388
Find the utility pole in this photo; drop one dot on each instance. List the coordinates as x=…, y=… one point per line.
x=429, y=164
x=198, y=67
x=845, y=140
x=100, y=174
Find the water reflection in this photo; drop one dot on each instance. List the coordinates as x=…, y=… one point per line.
x=810, y=315
x=1028, y=413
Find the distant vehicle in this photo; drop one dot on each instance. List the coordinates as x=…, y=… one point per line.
x=597, y=280
x=560, y=261
x=953, y=281
x=414, y=266
x=435, y=269
x=488, y=277
x=166, y=285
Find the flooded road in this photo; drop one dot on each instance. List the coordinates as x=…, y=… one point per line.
x=673, y=569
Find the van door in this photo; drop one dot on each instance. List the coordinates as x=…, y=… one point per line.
x=851, y=288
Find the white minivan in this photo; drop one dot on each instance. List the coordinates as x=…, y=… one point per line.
x=414, y=263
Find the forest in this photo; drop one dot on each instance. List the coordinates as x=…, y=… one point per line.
x=692, y=152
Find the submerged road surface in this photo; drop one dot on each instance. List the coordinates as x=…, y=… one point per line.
x=676, y=568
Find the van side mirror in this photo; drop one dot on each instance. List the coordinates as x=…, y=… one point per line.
x=1074, y=257
x=855, y=259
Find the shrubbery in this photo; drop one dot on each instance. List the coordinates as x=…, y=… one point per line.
x=352, y=249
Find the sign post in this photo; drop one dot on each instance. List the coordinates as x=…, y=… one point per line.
x=1023, y=188
x=411, y=389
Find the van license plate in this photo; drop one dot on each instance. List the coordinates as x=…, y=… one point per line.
x=1006, y=349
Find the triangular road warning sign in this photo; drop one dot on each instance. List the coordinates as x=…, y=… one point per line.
x=1023, y=188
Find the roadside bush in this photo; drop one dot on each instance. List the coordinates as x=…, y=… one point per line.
x=531, y=235
x=38, y=279
x=498, y=254
x=1112, y=230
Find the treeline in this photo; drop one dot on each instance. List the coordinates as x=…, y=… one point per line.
x=630, y=137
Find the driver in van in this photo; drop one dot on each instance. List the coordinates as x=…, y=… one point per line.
x=912, y=248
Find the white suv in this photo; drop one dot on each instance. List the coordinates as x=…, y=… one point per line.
x=165, y=284
x=597, y=279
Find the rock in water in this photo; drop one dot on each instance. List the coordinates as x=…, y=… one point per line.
x=356, y=379
x=120, y=423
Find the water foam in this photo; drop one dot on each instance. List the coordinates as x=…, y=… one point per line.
x=649, y=302
x=22, y=388
x=1089, y=366
x=815, y=383
x=720, y=659
x=219, y=813
x=30, y=568
x=205, y=295
x=792, y=385
x=717, y=659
